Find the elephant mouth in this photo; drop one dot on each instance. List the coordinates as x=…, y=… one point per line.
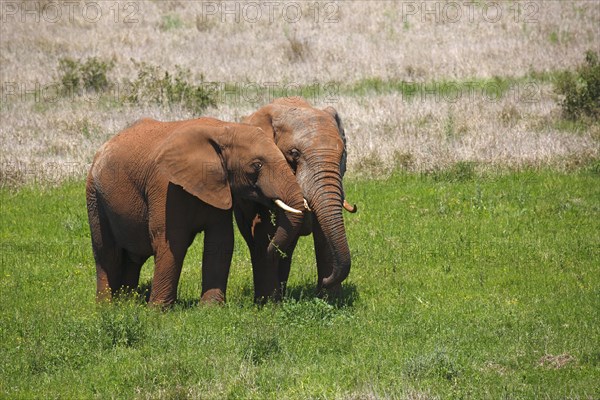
x=307, y=206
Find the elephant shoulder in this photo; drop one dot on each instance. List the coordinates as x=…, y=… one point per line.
x=142, y=121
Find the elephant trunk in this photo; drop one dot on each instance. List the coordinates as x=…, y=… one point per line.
x=288, y=223
x=326, y=200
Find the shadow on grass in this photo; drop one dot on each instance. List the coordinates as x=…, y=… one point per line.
x=302, y=292
x=307, y=291
x=145, y=288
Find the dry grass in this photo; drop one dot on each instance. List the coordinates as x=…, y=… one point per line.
x=429, y=135
x=49, y=140
x=371, y=38
x=556, y=362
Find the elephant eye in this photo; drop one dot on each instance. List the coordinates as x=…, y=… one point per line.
x=295, y=154
x=257, y=165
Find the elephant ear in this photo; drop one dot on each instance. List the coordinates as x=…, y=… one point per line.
x=333, y=112
x=191, y=158
x=263, y=118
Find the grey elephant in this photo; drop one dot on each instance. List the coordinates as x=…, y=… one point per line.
x=314, y=144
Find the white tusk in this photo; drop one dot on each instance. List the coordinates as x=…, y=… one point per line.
x=350, y=208
x=306, y=206
x=286, y=207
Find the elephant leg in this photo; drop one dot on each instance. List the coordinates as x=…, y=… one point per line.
x=216, y=261
x=168, y=261
x=132, y=265
x=107, y=254
x=108, y=273
x=256, y=233
x=285, y=266
x=324, y=263
x=264, y=268
x=244, y=217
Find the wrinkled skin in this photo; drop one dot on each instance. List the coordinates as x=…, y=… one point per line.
x=313, y=143
x=155, y=185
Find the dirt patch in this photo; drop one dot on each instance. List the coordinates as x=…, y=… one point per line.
x=556, y=362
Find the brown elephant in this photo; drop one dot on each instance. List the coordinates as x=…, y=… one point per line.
x=313, y=143
x=155, y=185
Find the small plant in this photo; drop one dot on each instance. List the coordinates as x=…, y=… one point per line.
x=281, y=253
x=157, y=86
x=262, y=346
x=315, y=311
x=170, y=22
x=298, y=49
x=122, y=326
x=70, y=76
x=203, y=24
x=90, y=74
x=93, y=74
x=461, y=171
x=449, y=127
x=403, y=161
x=509, y=115
x=435, y=364
x=581, y=89
x=372, y=165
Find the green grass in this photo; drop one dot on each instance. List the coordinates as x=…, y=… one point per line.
x=450, y=90
x=462, y=286
x=527, y=87
x=150, y=78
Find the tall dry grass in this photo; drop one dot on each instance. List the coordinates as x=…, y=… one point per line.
x=344, y=40
x=47, y=139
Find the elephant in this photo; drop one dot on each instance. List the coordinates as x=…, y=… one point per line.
x=155, y=185
x=314, y=144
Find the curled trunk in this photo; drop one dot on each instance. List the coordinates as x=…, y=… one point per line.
x=325, y=199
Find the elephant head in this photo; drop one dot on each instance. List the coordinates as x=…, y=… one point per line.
x=219, y=163
x=313, y=143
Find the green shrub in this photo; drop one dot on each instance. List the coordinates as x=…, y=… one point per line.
x=90, y=74
x=157, y=86
x=581, y=89
x=122, y=326
x=70, y=77
x=93, y=74
x=170, y=22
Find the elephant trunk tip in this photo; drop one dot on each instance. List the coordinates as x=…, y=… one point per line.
x=338, y=275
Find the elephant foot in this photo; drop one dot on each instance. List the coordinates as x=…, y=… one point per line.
x=212, y=296
x=273, y=296
x=263, y=300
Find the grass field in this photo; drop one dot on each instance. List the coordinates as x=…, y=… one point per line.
x=463, y=286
